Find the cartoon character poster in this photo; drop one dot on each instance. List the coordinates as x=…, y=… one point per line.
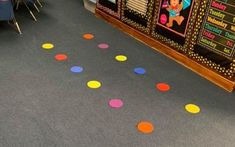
x=174, y=15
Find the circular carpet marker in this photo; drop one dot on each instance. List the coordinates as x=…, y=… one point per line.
x=121, y=58
x=103, y=46
x=76, y=69
x=145, y=127
x=192, y=108
x=61, y=57
x=140, y=71
x=116, y=103
x=94, y=84
x=163, y=87
x=88, y=36
x=47, y=46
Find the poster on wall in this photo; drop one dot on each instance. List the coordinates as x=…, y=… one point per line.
x=138, y=14
x=112, y=1
x=112, y=7
x=174, y=15
x=218, y=28
x=172, y=20
x=139, y=6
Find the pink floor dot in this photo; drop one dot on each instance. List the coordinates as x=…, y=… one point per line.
x=103, y=46
x=115, y=103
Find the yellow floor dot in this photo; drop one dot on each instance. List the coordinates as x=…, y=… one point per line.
x=93, y=84
x=48, y=46
x=192, y=108
x=121, y=58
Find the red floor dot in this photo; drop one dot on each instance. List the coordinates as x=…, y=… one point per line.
x=61, y=57
x=163, y=87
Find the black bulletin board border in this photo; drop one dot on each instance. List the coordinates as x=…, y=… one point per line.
x=183, y=46
x=142, y=18
x=109, y=10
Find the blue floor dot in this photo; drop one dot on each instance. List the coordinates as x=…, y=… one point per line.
x=139, y=71
x=76, y=69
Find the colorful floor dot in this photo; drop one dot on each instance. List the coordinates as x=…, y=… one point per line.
x=121, y=58
x=94, y=84
x=47, y=46
x=145, y=127
x=76, y=69
x=61, y=57
x=103, y=46
x=140, y=71
x=163, y=87
x=192, y=108
x=116, y=103
x=88, y=36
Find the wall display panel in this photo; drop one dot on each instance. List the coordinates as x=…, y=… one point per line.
x=138, y=14
x=218, y=29
x=213, y=41
x=112, y=7
x=179, y=37
x=173, y=22
x=138, y=6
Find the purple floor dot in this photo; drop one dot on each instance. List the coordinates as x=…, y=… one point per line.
x=103, y=46
x=76, y=69
x=115, y=103
x=139, y=70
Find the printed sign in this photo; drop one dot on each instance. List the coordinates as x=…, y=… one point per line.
x=218, y=30
x=138, y=14
x=139, y=6
x=112, y=1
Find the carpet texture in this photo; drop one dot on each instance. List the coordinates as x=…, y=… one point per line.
x=44, y=104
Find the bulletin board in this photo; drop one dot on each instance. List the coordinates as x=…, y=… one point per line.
x=173, y=22
x=138, y=14
x=199, y=34
x=213, y=41
x=112, y=7
x=218, y=28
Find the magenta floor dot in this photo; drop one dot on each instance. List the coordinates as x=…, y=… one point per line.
x=76, y=69
x=116, y=103
x=103, y=46
x=139, y=71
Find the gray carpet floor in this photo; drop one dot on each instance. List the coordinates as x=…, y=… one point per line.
x=43, y=104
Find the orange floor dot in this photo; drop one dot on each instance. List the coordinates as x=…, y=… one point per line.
x=145, y=127
x=163, y=87
x=88, y=36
